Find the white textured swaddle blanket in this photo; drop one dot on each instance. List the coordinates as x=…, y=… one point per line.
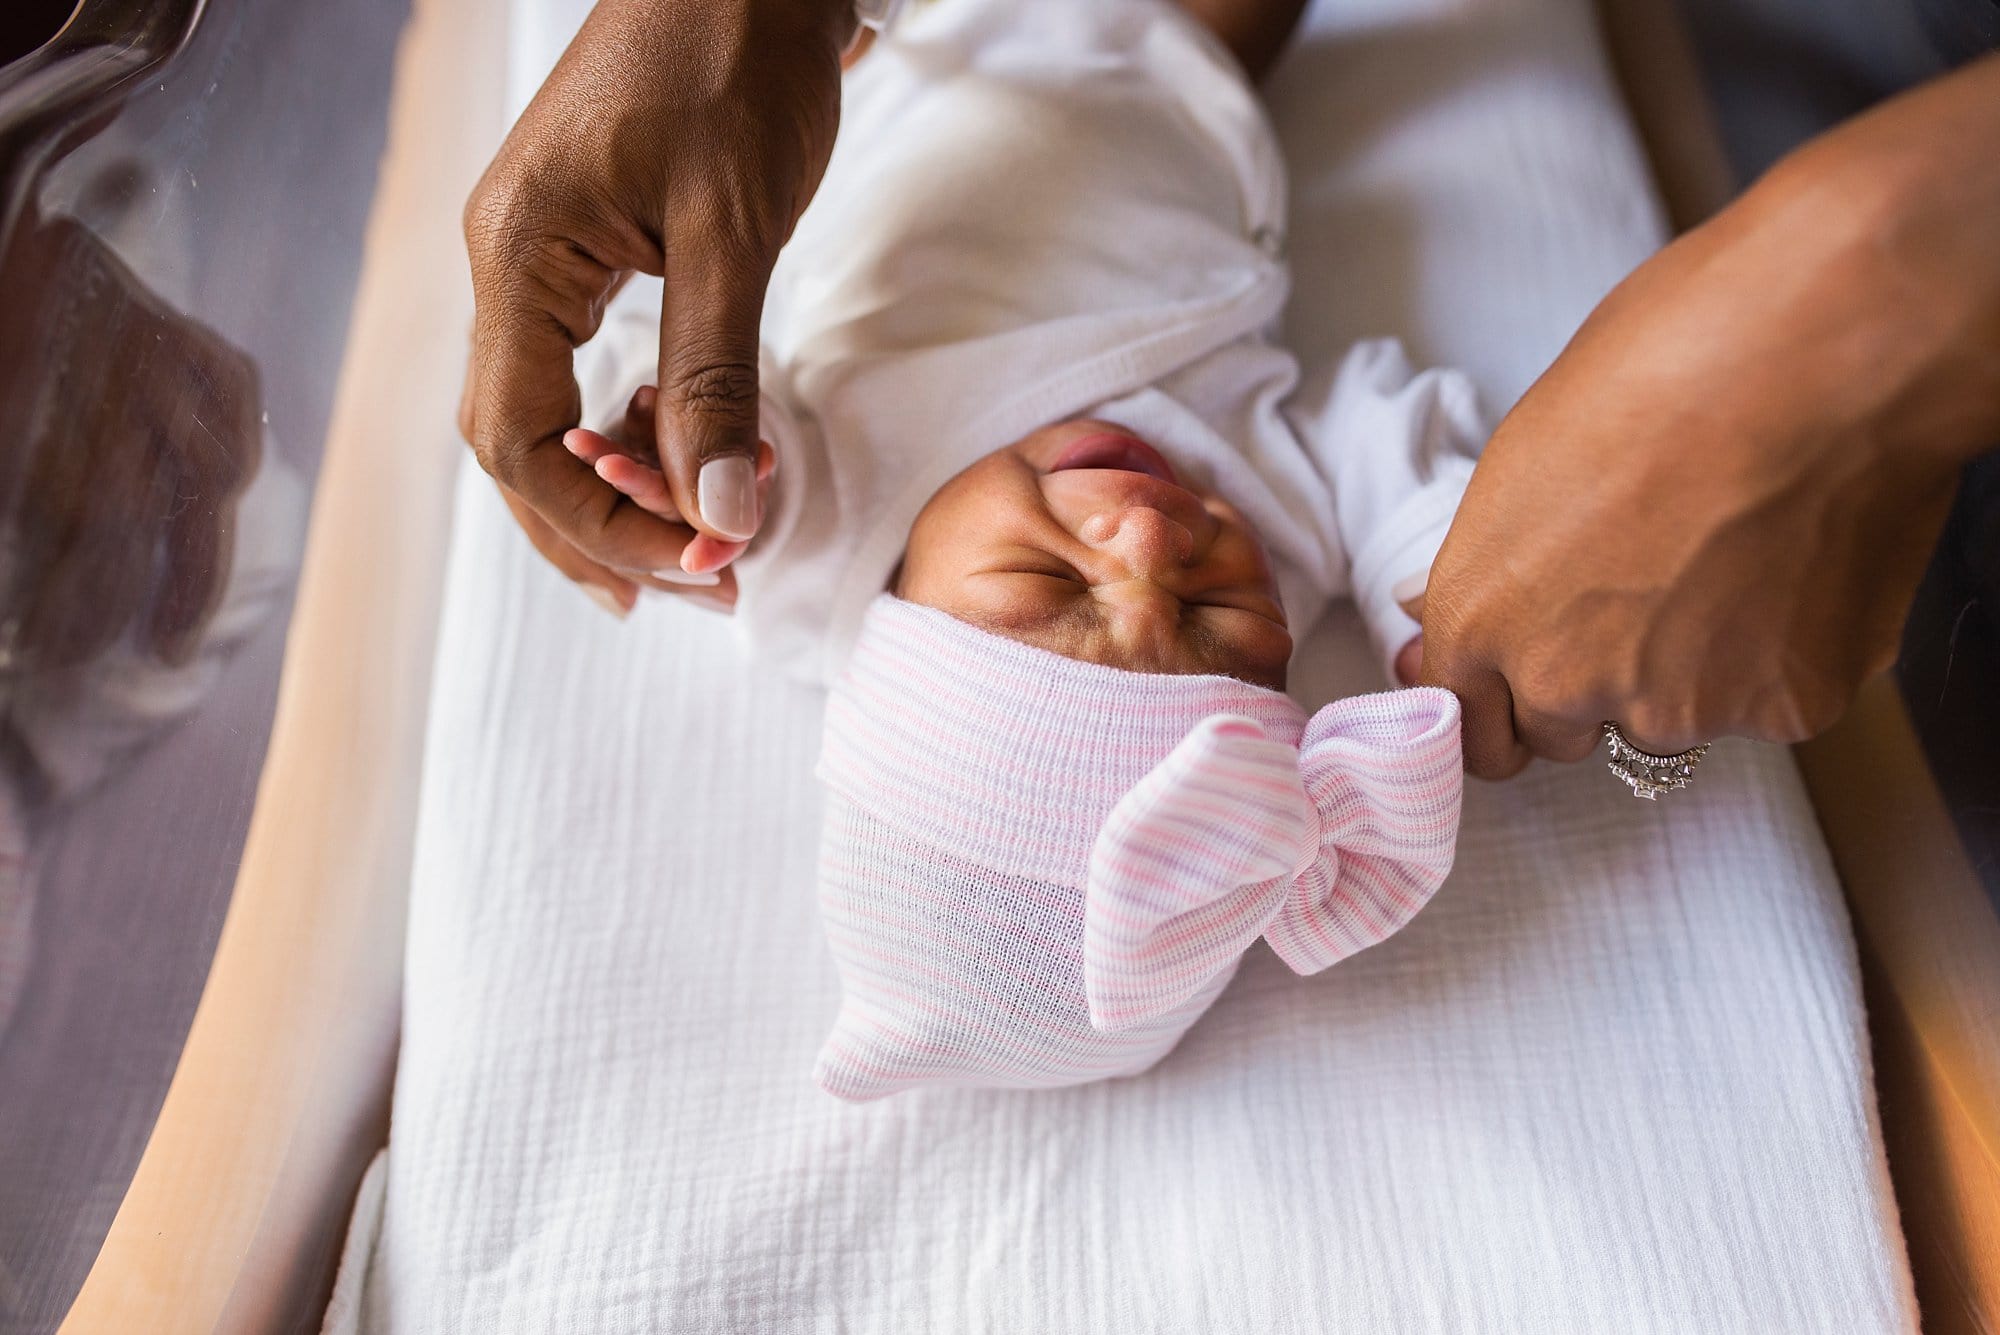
x=1613, y=1078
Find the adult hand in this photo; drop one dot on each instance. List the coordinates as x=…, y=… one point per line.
x=675, y=137
x=1708, y=518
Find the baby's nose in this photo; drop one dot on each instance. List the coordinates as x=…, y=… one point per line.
x=1148, y=540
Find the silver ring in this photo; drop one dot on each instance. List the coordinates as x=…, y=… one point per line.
x=1646, y=774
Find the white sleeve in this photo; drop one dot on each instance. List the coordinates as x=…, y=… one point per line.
x=1397, y=447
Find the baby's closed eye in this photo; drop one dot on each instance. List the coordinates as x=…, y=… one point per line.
x=1132, y=624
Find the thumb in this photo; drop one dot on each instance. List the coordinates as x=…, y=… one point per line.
x=707, y=418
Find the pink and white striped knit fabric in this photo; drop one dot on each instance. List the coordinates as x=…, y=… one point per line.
x=1036, y=871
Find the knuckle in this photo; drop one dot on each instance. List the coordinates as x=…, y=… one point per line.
x=719, y=389
x=489, y=219
x=536, y=285
x=1656, y=728
x=1543, y=690
x=498, y=464
x=1782, y=726
x=1560, y=710
x=1795, y=718
x=1804, y=705
x=511, y=198
x=526, y=254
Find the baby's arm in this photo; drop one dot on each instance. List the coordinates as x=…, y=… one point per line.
x=1397, y=447
x=1255, y=31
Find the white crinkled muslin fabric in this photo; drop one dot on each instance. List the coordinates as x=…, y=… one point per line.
x=1613, y=1078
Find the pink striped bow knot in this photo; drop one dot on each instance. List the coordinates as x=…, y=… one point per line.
x=1322, y=849
x=1038, y=872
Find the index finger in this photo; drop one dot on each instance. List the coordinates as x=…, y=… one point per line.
x=1493, y=750
x=524, y=399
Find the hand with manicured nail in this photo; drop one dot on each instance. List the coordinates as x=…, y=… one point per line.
x=626, y=458
x=1709, y=517
x=680, y=138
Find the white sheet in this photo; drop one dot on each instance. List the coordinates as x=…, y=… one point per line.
x=1614, y=1079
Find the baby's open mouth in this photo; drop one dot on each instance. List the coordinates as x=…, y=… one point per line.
x=1116, y=449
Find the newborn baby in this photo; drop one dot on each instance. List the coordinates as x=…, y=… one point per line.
x=1049, y=509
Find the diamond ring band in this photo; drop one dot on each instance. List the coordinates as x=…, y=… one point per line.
x=1646, y=774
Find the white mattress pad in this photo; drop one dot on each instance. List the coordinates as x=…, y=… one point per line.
x=1615, y=1078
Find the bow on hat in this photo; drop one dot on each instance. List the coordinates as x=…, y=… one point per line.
x=1324, y=849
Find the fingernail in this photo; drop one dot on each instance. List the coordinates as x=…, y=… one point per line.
x=719, y=555
x=607, y=600
x=727, y=495
x=675, y=575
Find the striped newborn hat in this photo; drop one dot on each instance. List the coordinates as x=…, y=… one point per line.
x=1036, y=871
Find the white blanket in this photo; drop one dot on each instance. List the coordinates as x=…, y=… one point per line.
x=1615, y=1078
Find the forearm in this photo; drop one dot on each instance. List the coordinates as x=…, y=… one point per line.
x=1884, y=235
x=1256, y=31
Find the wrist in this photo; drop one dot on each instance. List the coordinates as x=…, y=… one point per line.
x=834, y=22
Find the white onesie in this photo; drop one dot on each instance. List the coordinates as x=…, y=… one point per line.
x=1040, y=210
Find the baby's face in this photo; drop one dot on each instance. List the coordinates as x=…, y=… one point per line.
x=1080, y=539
